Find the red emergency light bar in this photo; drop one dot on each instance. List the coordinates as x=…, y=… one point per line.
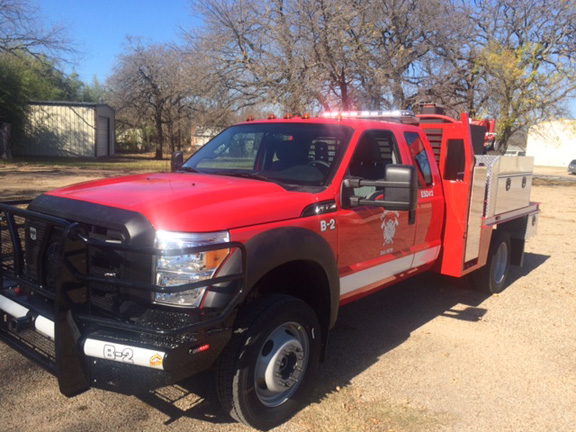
x=398, y=116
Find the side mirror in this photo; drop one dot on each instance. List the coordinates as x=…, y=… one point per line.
x=399, y=188
x=177, y=161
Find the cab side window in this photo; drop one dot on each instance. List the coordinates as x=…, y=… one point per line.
x=375, y=150
x=418, y=152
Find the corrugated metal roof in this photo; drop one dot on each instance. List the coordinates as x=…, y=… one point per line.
x=71, y=104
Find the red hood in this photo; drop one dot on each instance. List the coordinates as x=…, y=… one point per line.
x=193, y=202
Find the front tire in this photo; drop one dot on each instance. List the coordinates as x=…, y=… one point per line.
x=492, y=277
x=264, y=372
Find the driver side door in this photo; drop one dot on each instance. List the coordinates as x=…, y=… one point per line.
x=375, y=244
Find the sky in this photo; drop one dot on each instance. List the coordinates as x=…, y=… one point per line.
x=99, y=28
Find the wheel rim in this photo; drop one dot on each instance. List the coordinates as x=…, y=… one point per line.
x=501, y=263
x=281, y=364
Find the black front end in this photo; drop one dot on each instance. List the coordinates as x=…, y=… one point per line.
x=77, y=296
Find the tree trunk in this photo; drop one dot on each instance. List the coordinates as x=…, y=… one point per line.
x=172, y=138
x=346, y=103
x=159, y=138
x=5, y=152
x=503, y=137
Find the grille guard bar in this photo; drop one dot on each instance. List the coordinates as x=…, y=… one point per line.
x=69, y=362
x=73, y=231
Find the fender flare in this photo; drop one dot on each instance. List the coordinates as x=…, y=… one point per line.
x=271, y=249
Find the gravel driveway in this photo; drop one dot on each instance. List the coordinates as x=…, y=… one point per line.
x=425, y=355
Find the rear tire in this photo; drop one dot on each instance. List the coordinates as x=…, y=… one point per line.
x=264, y=372
x=492, y=277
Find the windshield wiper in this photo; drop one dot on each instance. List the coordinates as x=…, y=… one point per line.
x=247, y=175
x=188, y=169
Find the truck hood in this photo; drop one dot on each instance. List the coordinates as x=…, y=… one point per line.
x=193, y=202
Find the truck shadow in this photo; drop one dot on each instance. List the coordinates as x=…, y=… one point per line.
x=365, y=331
x=371, y=327
x=531, y=262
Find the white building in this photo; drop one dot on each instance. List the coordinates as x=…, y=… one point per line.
x=552, y=143
x=68, y=129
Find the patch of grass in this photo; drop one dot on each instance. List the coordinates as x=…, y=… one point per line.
x=552, y=181
x=131, y=162
x=347, y=410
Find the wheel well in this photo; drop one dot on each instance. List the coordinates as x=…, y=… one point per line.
x=304, y=280
x=517, y=230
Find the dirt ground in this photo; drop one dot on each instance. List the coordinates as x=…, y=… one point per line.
x=425, y=355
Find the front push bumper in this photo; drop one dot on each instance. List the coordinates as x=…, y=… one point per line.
x=60, y=329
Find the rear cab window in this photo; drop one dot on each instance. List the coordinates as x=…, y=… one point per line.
x=418, y=152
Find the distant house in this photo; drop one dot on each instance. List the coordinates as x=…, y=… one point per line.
x=552, y=143
x=71, y=129
x=200, y=136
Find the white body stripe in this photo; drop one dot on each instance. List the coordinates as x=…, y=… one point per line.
x=381, y=272
x=124, y=353
x=426, y=256
x=374, y=274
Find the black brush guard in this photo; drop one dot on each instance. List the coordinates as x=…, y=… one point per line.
x=68, y=293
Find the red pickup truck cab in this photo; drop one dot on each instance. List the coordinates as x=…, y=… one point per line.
x=241, y=257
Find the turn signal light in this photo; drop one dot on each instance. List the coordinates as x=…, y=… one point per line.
x=200, y=349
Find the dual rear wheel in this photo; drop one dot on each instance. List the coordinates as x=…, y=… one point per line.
x=492, y=277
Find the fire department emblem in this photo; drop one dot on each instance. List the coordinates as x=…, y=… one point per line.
x=389, y=224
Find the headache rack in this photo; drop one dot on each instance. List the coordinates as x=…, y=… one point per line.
x=50, y=298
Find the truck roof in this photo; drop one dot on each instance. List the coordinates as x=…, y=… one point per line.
x=355, y=123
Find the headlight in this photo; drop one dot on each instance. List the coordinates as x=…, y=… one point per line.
x=184, y=269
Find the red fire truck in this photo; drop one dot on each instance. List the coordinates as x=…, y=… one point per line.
x=241, y=257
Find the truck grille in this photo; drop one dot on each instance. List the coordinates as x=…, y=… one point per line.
x=43, y=264
x=42, y=267
x=107, y=300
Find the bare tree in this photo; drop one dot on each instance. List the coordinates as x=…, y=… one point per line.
x=168, y=88
x=511, y=59
x=514, y=60
x=145, y=85
x=256, y=49
x=401, y=36
x=25, y=44
x=327, y=53
x=21, y=29
x=280, y=53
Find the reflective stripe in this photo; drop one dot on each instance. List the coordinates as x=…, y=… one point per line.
x=374, y=274
x=124, y=353
x=425, y=256
x=13, y=308
x=384, y=271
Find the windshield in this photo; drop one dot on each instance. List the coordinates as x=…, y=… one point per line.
x=291, y=153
